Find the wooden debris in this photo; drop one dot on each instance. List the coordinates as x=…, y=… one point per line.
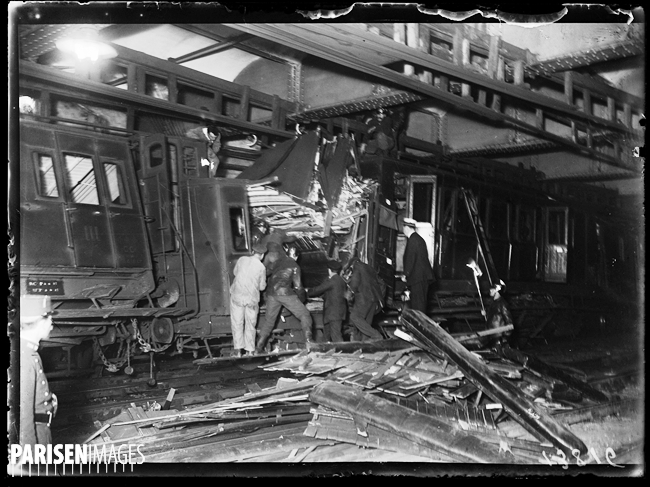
x=545, y=370
x=374, y=400
x=419, y=428
x=495, y=386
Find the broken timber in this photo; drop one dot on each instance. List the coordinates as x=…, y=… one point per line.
x=492, y=384
x=419, y=428
x=545, y=370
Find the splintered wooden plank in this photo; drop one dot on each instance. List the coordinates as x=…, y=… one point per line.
x=464, y=391
x=343, y=430
x=437, y=380
x=419, y=428
x=545, y=370
x=393, y=383
x=521, y=408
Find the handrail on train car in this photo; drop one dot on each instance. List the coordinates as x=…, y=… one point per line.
x=194, y=270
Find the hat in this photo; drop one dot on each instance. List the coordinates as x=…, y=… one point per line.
x=499, y=285
x=335, y=265
x=33, y=307
x=259, y=248
x=409, y=222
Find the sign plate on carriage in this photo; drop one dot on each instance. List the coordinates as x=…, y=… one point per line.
x=53, y=287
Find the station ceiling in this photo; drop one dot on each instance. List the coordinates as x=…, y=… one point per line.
x=226, y=50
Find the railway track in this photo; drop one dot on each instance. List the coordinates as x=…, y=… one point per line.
x=83, y=402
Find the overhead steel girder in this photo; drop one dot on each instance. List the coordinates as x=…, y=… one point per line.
x=584, y=58
x=353, y=44
x=290, y=38
x=68, y=82
x=209, y=50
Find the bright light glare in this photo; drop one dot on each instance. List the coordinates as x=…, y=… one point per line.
x=86, y=49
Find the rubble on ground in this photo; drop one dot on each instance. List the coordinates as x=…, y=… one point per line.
x=424, y=398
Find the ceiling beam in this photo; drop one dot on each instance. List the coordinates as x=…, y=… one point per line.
x=593, y=178
x=209, y=50
x=251, y=50
x=289, y=35
x=581, y=59
x=45, y=78
x=360, y=45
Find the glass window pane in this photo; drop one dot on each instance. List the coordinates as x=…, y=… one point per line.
x=422, y=201
x=156, y=155
x=238, y=229
x=115, y=183
x=556, y=227
x=498, y=219
x=526, y=230
x=80, y=178
x=46, y=178
x=190, y=164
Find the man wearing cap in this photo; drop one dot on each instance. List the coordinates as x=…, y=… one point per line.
x=334, y=303
x=284, y=287
x=498, y=314
x=250, y=279
x=418, y=273
x=37, y=404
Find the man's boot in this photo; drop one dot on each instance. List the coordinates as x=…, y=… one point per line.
x=261, y=342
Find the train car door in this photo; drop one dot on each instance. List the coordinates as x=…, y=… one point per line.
x=46, y=238
x=556, y=244
x=155, y=183
x=190, y=157
x=87, y=213
x=129, y=235
x=421, y=206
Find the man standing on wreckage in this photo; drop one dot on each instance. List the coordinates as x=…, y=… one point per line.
x=367, y=299
x=282, y=290
x=418, y=273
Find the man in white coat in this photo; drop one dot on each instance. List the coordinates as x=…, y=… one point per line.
x=250, y=280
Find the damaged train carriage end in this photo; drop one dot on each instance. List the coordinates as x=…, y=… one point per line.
x=131, y=238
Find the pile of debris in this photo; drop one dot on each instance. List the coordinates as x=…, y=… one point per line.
x=286, y=212
x=423, y=398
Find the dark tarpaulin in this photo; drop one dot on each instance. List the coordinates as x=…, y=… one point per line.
x=333, y=163
x=292, y=162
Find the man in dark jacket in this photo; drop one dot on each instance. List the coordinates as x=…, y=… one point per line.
x=334, y=304
x=418, y=273
x=364, y=283
x=498, y=314
x=282, y=289
x=38, y=404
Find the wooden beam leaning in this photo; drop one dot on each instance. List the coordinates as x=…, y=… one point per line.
x=496, y=387
x=417, y=427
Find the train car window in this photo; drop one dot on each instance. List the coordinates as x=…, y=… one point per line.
x=447, y=204
x=80, y=178
x=526, y=224
x=190, y=162
x=498, y=219
x=421, y=201
x=463, y=221
x=46, y=177
x=557, y=234
x=156, y=155
x=238, y=229
x=115, y=182
x=156, y=87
